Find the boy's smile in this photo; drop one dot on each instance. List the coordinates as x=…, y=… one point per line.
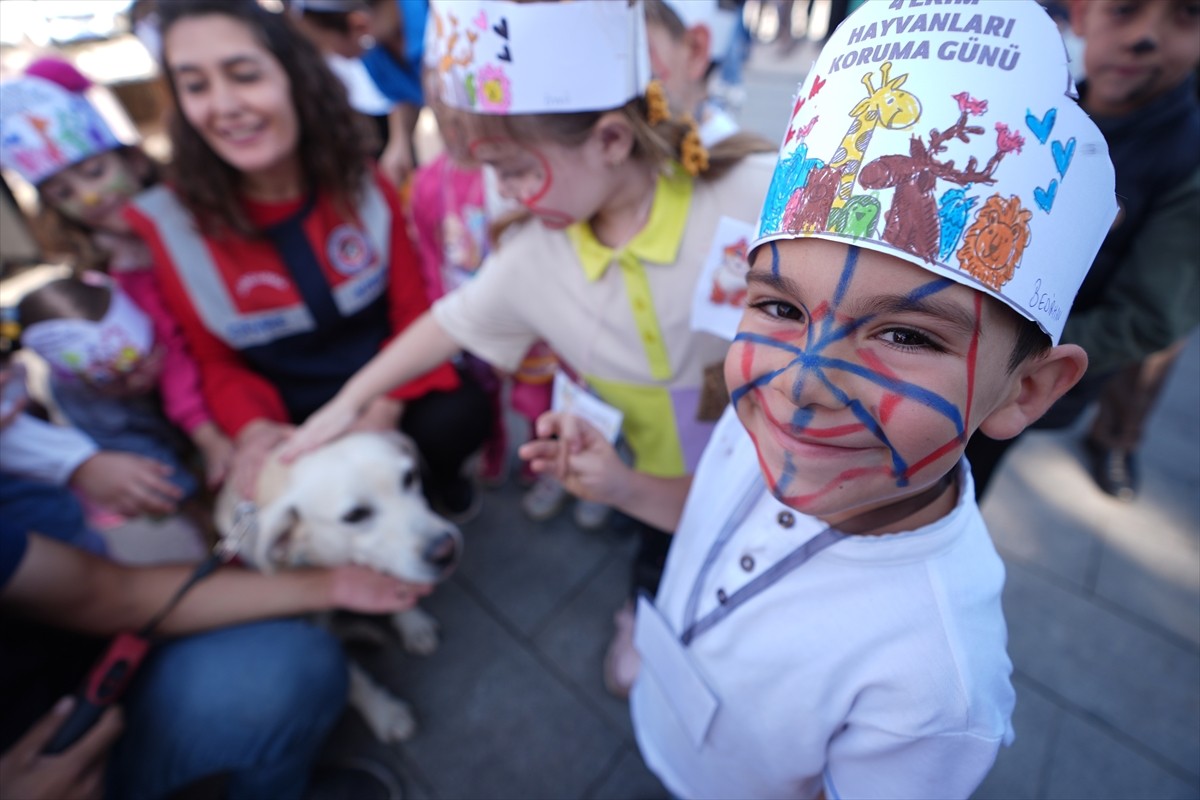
x=860, y=377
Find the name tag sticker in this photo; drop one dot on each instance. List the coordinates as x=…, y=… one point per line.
x=720, y=294
x=570, y=398
x=670, y=666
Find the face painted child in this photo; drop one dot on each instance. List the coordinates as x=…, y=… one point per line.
x=860, y=377
x=94, y=192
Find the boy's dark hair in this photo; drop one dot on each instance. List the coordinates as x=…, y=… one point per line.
x=1031, y=341
x=333, y=144
x=65, y=298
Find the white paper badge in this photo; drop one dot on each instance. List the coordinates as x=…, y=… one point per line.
x=720, y=294
x=949, y=136
x=570, y=398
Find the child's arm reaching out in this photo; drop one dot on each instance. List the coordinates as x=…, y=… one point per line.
x=579, y=457
x=421, y=347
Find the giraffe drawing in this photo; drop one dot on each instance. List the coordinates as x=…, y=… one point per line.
x=889, y=106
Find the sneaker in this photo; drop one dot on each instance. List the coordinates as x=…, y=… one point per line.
x=589, y=515
x=1114, y=471
x=544, y=499
x=621, y=661
x=458, y=501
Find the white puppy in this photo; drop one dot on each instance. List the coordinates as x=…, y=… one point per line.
x=357, y=500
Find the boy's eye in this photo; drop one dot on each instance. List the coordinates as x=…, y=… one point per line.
x=908, y=339
x=191, y=87
x=245, y=76
x=778, y=309
x=92, y=169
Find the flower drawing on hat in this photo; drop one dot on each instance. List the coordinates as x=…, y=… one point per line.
x=992, y=248
x=495, y=91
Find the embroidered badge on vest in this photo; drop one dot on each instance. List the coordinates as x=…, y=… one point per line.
x=348, y=250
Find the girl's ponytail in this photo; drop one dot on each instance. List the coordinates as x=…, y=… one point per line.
x=664, y=137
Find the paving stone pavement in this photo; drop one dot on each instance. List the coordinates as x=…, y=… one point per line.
x=1102, y=600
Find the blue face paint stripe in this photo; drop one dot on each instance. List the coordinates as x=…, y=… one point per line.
x=774, y=260
x=839, y=293
x=931, y=400
x=869, y=422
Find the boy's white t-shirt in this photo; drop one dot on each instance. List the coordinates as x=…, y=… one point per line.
x=875, y=669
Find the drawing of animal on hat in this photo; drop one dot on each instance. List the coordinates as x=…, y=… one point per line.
x=889, y=107
x=912, y=221
x=992, y=248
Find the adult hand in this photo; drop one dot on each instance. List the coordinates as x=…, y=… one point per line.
x=127, y=483
x=254, y=443
x=578, y=456
x=329, y=422
x=75, y=773
x=355, y=588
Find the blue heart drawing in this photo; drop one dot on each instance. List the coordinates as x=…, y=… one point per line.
x=1045, y=197
x=1063, y=155
x=1041, y=127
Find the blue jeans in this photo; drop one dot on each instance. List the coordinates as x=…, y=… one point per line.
x=254, y=702
x=28, y=505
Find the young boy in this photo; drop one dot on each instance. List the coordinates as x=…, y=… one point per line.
x=829, y=622
x=1142, y=295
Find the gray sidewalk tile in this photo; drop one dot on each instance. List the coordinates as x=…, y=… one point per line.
x=494, y=720
x=1130, y=678
x=630, y=780
x=1018, y=768
x=527, y=569
x=577, y=636
x=1089, y=763
x=1028, y=523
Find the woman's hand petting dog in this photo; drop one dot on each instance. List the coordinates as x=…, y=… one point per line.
x=251, y=447
x=367, y=591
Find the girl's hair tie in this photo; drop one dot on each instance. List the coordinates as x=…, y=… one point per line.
x=692, y=153
x=657, y=108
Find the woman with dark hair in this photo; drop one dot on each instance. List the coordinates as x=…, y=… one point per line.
x=283, y=251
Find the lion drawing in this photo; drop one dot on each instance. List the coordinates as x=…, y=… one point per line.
x=992, y=247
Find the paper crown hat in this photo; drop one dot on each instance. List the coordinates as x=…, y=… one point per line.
x=500, y=57
x=949, y=136
x=46, y=122
x=96, y=352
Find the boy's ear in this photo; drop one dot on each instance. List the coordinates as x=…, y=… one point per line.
x=1077, y=9
x=615, y=136
x=699, y=41
x=1039, y=383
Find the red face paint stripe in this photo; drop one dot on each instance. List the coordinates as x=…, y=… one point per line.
x=801, y=500
x=972, y=352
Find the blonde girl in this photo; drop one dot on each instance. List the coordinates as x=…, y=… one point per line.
x=620, y=206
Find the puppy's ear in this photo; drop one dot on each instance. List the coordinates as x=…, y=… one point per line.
x=275, y=524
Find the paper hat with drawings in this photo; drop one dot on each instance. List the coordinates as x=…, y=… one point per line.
x=46, y=126
x=949, y=136
x=99, y=351
x=500, y=57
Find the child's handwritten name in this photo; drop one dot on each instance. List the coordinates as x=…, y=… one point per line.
x=1045, y=302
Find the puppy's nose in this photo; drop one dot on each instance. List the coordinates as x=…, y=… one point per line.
x=442, y=552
